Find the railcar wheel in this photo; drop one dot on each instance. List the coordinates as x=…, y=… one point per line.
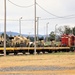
x=7, y=53
x=23, y=52
x=49, y=51
x=43, y=52
x=15, y=53
x=31, y=52
x=38, y=52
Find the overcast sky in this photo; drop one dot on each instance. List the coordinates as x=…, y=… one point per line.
x=59, y=8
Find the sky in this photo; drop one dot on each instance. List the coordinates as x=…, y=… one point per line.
x=51, y=12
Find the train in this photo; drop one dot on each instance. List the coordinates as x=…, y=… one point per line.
x=18, y=44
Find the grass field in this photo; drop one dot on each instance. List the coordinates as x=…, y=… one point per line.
x=43, y=64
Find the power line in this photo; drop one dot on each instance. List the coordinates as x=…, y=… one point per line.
x=47, y=11
x=70, y=15
x=40, y=19
x=17, y=20
x=57, y=17
x=19, y=5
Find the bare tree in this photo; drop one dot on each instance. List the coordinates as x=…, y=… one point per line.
x=64, y=30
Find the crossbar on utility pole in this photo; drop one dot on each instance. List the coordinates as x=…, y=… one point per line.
x=4, y=27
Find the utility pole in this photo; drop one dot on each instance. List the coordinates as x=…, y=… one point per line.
x=47, y=31
x=72, y=30
x=0, y=27
x=29, y=35
x=4, y=27
x=55, y=32
x=20, y=26
x=35, y=26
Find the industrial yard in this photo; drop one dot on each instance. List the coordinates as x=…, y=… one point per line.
x=37, y=37
x=43, y=64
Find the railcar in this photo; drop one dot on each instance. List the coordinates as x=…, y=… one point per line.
x=21, y=44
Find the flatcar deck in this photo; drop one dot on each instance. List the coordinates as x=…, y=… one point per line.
x=32, y=48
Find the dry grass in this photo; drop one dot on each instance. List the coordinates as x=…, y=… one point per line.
x=39, y=60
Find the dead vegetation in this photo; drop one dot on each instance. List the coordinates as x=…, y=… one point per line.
x=67, y=61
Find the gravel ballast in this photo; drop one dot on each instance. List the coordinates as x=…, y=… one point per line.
x=35, y=68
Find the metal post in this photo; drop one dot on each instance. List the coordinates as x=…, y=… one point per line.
x=20, y=26
x=0, y=27
x=29, y=35
x=4, y=27
x=47, y=31
x=55, y=32
x=72, y=30
x=35, y=26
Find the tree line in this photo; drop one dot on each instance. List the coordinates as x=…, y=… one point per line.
x=59, y=31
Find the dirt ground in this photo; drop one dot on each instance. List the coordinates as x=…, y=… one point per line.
x=44, y=64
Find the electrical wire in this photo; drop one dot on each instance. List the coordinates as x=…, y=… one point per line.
x=70, y=15
x=33, y=19
x=17, y=20
x=47, y=11
x=57, y=17
x=19, y=5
